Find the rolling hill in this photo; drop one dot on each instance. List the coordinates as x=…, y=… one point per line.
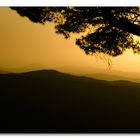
x=48, y=101
x=113, y=77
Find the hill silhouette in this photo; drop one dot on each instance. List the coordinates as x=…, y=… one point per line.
x=115, y=77
x=107, y=77
x=48, y=101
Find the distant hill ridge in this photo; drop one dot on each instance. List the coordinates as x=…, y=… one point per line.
x=112, y=77
x=54, y=74
x=50, y=73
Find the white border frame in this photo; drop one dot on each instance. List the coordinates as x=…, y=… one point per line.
x=69, y=2
x=90, y=3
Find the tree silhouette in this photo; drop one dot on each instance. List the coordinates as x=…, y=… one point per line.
x=108, y=30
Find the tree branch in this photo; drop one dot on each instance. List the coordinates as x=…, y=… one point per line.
x=122, y=23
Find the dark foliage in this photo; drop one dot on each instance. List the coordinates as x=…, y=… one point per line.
x=108, y=30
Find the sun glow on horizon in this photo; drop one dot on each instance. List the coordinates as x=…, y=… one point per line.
x=25, y=44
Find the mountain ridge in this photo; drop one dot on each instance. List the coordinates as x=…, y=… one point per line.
x=52, y=72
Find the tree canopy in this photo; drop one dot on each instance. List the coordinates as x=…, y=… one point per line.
x=108, y=30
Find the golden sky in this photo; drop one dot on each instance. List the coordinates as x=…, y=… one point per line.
x=25, y=45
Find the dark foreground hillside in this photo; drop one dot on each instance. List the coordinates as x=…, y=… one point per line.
x=49, y=101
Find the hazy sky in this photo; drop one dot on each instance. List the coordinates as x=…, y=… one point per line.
x=24, y=45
